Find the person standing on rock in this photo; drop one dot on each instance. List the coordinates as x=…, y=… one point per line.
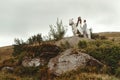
x=85, y=29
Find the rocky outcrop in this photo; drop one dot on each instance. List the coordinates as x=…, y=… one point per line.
x=73, y=41
x=33, y=62
x=8, y=69
x=71, y=60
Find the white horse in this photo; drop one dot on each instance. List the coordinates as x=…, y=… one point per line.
x=75, y=29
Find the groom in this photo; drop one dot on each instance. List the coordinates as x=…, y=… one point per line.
x=83, y=30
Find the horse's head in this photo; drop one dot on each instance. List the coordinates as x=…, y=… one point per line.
x=71, y=22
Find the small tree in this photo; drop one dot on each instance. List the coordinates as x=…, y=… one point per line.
x=57, y=32
x=36, y=39
x=18, y=41
x=18, y=46
x=39, y=38
x=30, y=40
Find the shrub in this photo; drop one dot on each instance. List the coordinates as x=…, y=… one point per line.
x=106, y=52
x=36, y=39
x=21, y=46
x=94, y=36
x=21, y=56
x=82, y=44
x=22, y=71
x=57, y=32
x=103, y=37
x=117, y=73
x=18, y=47
x=9, y=62
x=45, y=50
x=65, y=45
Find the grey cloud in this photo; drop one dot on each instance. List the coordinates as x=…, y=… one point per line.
x=24, y=17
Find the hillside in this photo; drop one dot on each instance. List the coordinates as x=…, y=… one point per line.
x=110, y=34
x=63, y=55
x=7, y=50
x=5, y=53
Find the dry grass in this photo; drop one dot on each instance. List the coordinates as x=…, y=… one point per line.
x=87, y=76
x=79, y=76
x=110, y=34
x=5, y=53
x=9, y=76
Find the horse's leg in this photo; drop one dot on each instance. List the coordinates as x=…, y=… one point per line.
x=73, y=30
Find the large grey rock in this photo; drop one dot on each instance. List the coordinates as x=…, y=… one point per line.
x=32, y=62
x=70, y=60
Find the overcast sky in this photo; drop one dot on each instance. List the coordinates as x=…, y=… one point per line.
x=24, y=18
